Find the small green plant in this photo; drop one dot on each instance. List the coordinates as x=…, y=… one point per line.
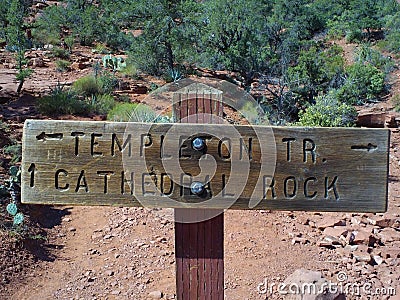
x=13, y=189
x=130, y=71
x=113, y=62
x=60, y=53
x=96, y=91
x=123, y=98
x=15, y=151
x=62, y=65
x=107, y=81
x=62, y=101
x=87, y=86
x=366, y=54
x=354, y=35
x=102, y=104
x=328, y=112
x=132, y=112
x=100, y=48
x=396, y=102
x=38, y=237
x=363, y=83
x=153, y=86
x=337, y=27
x=136, y=112
x=173, y=75
x=69, y=42
x=103, y=83
x=121, y=112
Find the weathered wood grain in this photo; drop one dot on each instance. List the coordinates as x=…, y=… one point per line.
x=92, y=163
x=199, y=233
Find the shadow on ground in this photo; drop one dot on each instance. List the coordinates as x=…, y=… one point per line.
x=47, y=217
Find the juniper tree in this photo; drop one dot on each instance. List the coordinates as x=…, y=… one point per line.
x=16, y=40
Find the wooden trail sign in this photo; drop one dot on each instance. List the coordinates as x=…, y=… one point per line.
x=241, y=167
x=210, y=167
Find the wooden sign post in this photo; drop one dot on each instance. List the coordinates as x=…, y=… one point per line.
x=202, y=169
x=199, y=241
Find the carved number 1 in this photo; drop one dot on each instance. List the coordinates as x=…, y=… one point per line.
x=32, y=171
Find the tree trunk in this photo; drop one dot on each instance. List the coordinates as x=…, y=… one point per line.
x=19, y=88
x=170, y=56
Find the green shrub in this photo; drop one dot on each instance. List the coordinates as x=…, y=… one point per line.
x=62, y=65
x=396, y=102
x=107, y=81
x=91, y=85
x=102, y=104
x=87, y=86
x=100, y=48
x=42, y=36
x=15, y=151
x=392, y=35
x=60, y=53
x=393, y=42
x=328, y=111
x=62, y=101
x=123, y=98
x=354, y=36
x=132, y=112
x=130, y=70
x=69, y=42
x=363, y=83
x=337, y=26
x=366, y=54
x=121, y=112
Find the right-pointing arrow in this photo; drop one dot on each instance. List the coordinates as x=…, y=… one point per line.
x=369, y=148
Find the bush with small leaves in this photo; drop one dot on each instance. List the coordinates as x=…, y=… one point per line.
x=90, y=85
x=134, y=112
x=130, y=112
x=62, y=101
x=59, y=52
x=69, y=42
x=366, y=54
x=62, y=65
x=363, y=83
x=396, y=102
x=108, y=82
x=328, y=111
x=100, y=48
x=15, y=151
x=87, y=86
x=103, y=103
x=130, y=71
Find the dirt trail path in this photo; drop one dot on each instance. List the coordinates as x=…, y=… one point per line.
x=111, y=253
x=76, y=234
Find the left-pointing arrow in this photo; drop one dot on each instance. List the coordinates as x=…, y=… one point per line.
x=49, y=136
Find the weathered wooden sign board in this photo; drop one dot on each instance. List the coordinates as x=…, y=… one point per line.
x=103, y=163
x=127, y=164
